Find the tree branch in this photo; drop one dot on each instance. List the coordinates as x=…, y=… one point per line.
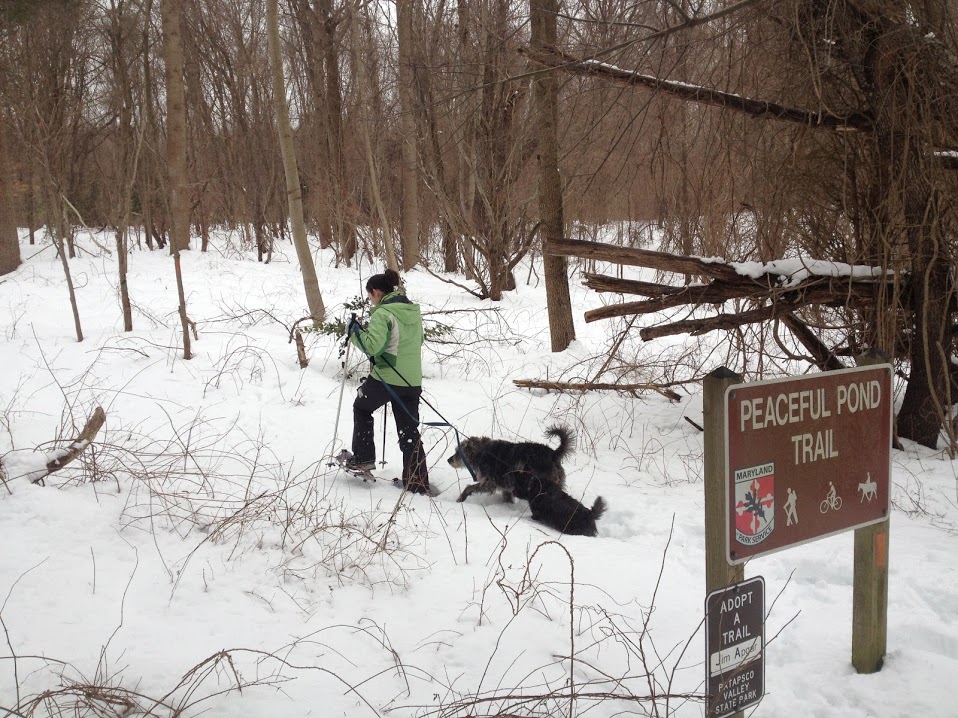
x=695, y=327
x=854, y=120
x=688, y=23
x=605, y=283
x=824, y=358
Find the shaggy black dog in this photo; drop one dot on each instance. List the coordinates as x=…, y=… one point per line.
x=530, y=471
x=557, y=510
x=517, y=469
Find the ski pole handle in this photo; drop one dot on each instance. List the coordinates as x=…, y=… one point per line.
x=353, y=325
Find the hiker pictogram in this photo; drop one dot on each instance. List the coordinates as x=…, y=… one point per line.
x=791, y=510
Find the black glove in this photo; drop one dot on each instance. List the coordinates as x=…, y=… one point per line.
x=354, y=326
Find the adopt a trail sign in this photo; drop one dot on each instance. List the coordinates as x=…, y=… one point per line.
x=806, y=457
x=735, y=647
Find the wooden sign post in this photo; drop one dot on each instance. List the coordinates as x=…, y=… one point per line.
x=719, y=573
x=870, y=588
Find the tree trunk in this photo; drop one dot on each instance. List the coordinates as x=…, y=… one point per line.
x=922, y=412
x=204, y=229
x=319, y=203
x=128, y=146
x=427, y=116
x=175, y=127
x=259, y=234
x=59, y=228
x=546, y=95
x=294, y=194
x=410, y=155
x=32, y=203
x=176, y=154
x=181, y=296
x=9, y=239
x=147, y=214
x=911, y=211
x=149, y=126
x=923, y=407
x=122, y=245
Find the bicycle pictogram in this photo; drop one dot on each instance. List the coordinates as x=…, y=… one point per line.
x=833, y=501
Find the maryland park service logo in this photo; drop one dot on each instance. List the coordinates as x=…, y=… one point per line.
x=754, y=503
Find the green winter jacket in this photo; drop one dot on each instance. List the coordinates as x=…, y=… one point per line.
x=393, y=340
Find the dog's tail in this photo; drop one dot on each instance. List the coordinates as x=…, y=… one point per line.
x=598, y=508
x=566, y=441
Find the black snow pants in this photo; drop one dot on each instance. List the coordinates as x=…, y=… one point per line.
x=372, y=395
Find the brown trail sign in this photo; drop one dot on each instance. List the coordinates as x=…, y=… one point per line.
x=806, y=457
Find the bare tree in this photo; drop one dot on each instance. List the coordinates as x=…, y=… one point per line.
x=366, y=94
x=52, y=53
x=330, y=199
x=151, y=178
x=9, y=240
x=435, y=147
x=405, y=11
x=121, y=25
x=179, y=192
x=544, y=34
x=67, y=123
x=314, y=299
x=481, y=144
x=176, y=153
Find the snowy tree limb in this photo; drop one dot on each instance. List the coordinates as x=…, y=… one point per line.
x=79, y=444
x=36, y=465
x=635, y=257
x=852, y=121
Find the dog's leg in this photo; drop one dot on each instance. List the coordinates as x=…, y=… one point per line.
x=467, y=492
x=507, y=497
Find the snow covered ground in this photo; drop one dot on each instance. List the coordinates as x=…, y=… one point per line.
x=217, y=548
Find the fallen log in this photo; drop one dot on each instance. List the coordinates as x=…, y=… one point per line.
x=635, y=257
x=769, y=291
x=37, y=465
x=633, y=389
x=79, y=444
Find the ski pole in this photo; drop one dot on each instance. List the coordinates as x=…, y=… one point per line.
x=385, y=417
x=342, y=385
